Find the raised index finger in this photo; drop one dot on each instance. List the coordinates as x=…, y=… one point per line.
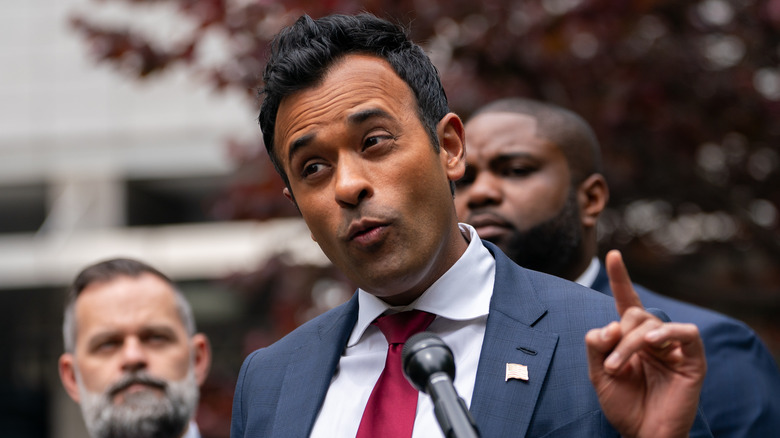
x=620, y=282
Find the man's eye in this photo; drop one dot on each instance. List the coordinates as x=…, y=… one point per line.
x=468, y=178
x=518, y=171
x=464, y=182
x=375, y=140
x=107, y=346
x=157, y=339
x=311, y=169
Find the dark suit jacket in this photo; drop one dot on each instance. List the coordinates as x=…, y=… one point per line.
x=536, y=320
x=741, y=393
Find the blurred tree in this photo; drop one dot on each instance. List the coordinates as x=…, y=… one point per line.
x=684, y=96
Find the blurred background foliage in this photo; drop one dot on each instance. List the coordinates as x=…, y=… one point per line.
x=684, y=96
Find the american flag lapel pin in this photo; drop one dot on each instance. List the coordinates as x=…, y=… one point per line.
x=516, y=371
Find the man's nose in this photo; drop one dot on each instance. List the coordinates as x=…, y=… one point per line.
x=133, y=354
x=352, y=184
x=484, y=190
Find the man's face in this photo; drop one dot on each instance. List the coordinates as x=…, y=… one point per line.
x=134, y=370
x=367, y=180
x=517, y=192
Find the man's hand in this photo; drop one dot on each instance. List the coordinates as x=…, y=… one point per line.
x=647, y=374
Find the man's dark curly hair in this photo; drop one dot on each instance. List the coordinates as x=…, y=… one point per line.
x=302, y=53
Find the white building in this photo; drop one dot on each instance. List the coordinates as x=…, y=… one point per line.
x=93, y=165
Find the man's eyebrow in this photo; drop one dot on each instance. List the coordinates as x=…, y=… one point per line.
x=297, y=144
x=362, y=116
x=158, y=328
x=353, y=119
x=503, y=157
x=508, y=155
x=101, y=337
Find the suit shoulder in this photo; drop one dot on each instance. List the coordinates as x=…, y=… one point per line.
x=742, y=378
x=707, y=320
x=308, y=332
x=556, y=288
x=528, y=294
x=568, y=305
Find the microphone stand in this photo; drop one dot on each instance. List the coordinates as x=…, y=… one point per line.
x=450, y=409
x=429, y=366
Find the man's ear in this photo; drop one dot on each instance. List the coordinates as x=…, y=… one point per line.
x=67, y=368
x=592, y=197
x=288, y=194
x=290, y=197
x=202, y=357
x=452, y=144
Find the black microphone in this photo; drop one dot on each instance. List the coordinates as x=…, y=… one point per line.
x=429, y=366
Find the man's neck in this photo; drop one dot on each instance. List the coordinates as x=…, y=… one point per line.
x=448, y=257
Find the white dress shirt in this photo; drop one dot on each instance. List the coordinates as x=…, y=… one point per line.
x=192, y=431
x=589, y=276
x=460, y=298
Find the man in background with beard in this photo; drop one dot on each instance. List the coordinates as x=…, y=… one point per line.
x=534, y=187
x=132, y=358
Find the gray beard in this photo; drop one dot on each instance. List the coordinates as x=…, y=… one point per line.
x=143, y=414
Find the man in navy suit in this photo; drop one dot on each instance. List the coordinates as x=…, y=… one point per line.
x=356, y=122
x=534, y=187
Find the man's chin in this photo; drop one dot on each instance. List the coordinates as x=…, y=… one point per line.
x=140, y=409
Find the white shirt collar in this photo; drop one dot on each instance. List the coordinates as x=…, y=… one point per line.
x=192, y=431
x=462, y=293
x=589, y=276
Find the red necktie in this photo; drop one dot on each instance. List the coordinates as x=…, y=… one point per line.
x=392, y=405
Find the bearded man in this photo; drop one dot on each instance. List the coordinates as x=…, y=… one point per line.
x=534, y=186
x=132, y=360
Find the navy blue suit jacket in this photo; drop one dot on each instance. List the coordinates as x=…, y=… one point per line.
x=534, y=319
x=741, y=392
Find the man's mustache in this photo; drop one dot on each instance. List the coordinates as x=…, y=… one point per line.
x=130, y=379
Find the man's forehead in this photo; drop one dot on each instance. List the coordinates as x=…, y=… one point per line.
x=485, y=126
x=126, y=297
x=375, y=77
x=353, y=87
x=503, y=133
x=111, y=329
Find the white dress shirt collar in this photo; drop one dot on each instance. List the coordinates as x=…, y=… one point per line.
x=192, y=431
x=474, y=271
x=589, y=276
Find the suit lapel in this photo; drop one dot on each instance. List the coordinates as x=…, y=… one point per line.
x=310, y=371
x=500, y=407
